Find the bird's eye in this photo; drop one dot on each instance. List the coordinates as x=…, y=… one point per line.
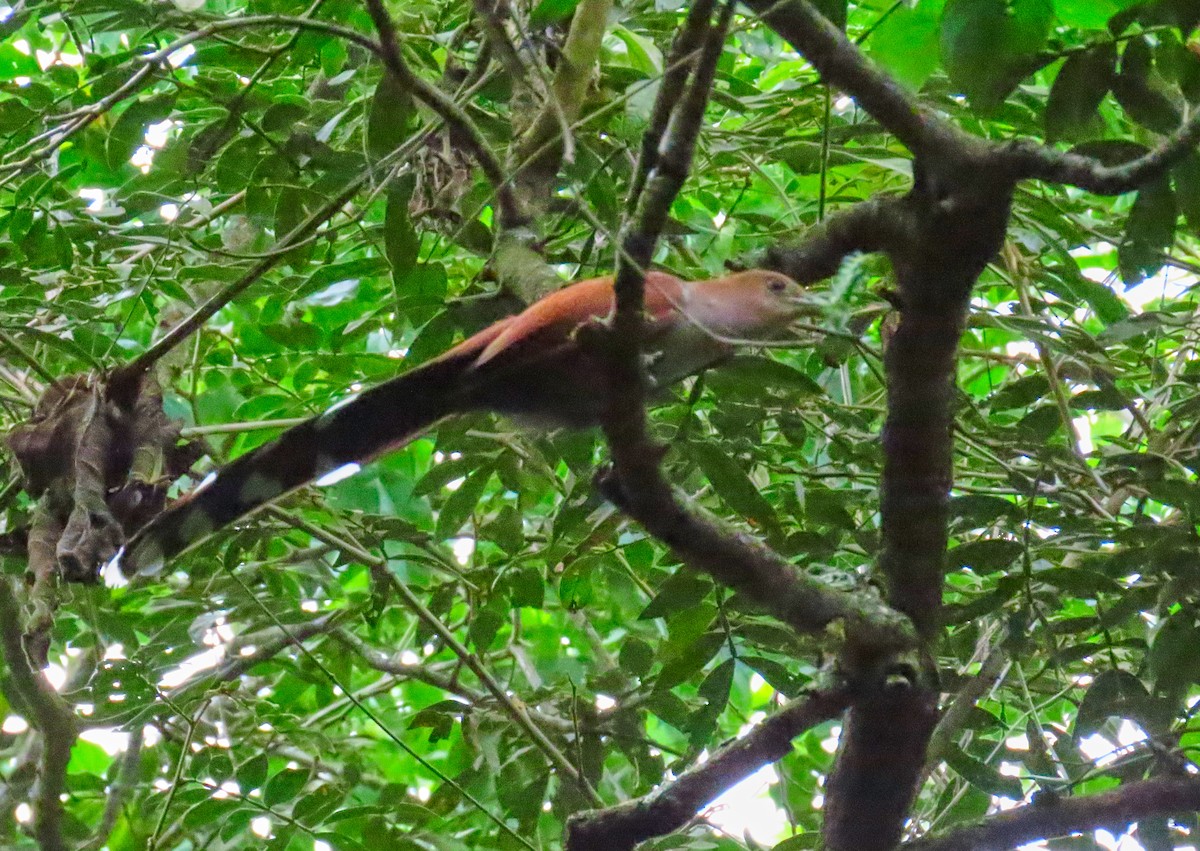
x=777, y=285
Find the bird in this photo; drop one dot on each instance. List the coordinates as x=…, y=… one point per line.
x=531, y=366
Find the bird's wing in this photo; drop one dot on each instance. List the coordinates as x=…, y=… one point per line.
x=561, y=312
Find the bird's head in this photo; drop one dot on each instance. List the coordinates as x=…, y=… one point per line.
x=753, y=304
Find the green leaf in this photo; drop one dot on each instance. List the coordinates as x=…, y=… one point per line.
x=1173, y=656
x=252, y=773
x=690, y=662
x=986, y=556
x=400, y=238
x=88, y=758
x=1080, y=86
x=17, y=63
x=575, y=586
x=484, y=627
x=800, y=842
x=285, y=113
x=508, y=532
x=459, y=506
x=1020, y=393
x=1149, y=232
x=636, y=657
x=56, y=341
x=1090, y=14
x=754, y=373
x=438, y=718
x=640, y=52
x=1112, y=693
x=982, y=776
x=732, y=484
x=715, y=691
x=682, y=591
x=392, y=110
x=1185, y=175
x=551, y=11
x=442, y=474
x=14, y=115
x=424, y=285
x=776, y=675
x=716, y=686
x=1143, y=93
x=989, y=46
x=129, y=130
x=834, y=10
x=1100, y=298
x=906, y=44
x=284, y=786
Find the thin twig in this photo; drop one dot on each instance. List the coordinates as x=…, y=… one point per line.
x=413, y=603
x=27, y=358
x=384, y=728
x=143, y=362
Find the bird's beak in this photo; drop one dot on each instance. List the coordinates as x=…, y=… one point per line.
x=808, y=306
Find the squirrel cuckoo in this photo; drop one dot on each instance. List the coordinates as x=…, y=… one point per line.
x=529, y=365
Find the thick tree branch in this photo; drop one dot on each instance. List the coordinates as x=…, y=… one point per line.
x=754, y=570
x=1026, y=160
x=620, y=828
x=842, y=65
x=875, y=225
x=49, y=714
x=448, y=111
x=1114, y=810
x=958, y=212
x=878, y=767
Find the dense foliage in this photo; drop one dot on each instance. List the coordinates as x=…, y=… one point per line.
x=328, y=672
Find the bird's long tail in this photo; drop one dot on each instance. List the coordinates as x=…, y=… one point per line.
x=353, y=432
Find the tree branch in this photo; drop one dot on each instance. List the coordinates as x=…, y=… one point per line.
x=875, y=225
x=1114, y=810
x=49, y=714
x=1025, y=160
x=451, y=684
x=120, y=789
x=502, y=46
x=79, y=119
x=620, y=828
x=265, y=648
